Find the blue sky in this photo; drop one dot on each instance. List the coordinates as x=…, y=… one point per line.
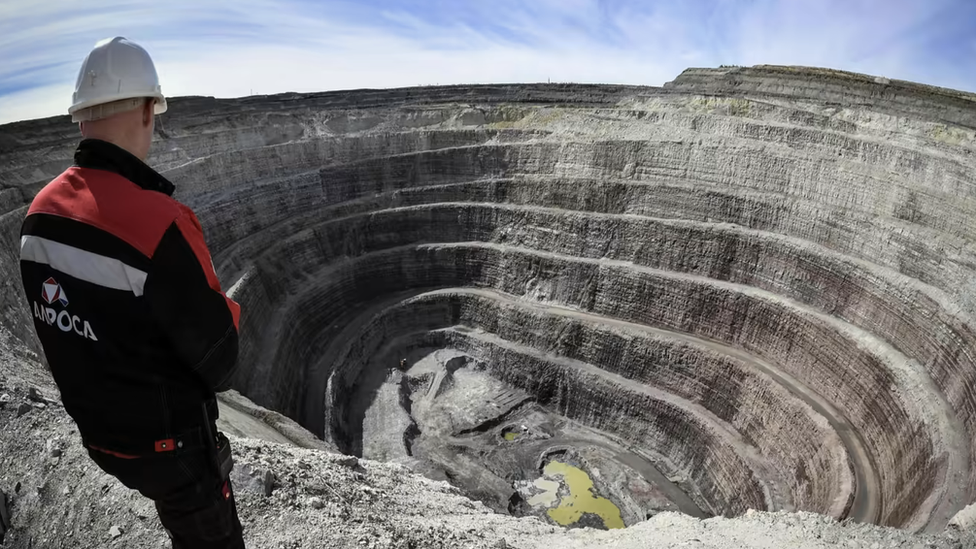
x=229, y=48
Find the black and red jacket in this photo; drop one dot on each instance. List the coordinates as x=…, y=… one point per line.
x=125, y=301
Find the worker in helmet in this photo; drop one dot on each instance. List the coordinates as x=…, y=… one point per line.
x=126, y=304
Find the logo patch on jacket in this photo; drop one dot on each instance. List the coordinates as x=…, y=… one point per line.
x=52, y=292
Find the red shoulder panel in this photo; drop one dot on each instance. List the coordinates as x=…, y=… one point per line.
x=110, y=202
x=190, y=227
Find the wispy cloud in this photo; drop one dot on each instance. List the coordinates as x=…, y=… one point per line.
x=228, y=48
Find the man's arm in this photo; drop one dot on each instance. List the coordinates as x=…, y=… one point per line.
x=199, y=320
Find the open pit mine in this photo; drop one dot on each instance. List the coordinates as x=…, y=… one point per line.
x=751, y=288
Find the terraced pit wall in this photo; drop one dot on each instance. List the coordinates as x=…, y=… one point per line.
x=763, y=275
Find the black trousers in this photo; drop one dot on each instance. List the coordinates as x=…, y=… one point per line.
x=195, y=506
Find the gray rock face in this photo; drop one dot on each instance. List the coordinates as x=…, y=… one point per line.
x=764, y=275
x=24, y=408
x=247, y=478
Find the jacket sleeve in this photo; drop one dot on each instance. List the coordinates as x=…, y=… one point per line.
x=196, y=317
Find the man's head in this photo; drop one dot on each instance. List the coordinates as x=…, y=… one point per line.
x=129, y=124
x=117, y=95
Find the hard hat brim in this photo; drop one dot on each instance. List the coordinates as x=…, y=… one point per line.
x=160, y=107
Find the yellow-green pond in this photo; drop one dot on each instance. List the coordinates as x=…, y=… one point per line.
x=580, y=499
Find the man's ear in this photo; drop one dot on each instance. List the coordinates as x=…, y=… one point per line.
x=148, y=111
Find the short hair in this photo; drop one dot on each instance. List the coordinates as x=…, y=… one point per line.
x=97, y=112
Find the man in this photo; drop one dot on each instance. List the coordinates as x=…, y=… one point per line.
x=128, y=309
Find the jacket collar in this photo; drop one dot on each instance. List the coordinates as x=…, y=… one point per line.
x=102, y=155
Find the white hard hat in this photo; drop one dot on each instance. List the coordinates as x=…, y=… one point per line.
x=115, y=69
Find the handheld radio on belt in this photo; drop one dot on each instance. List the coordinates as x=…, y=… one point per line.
x=219, y=447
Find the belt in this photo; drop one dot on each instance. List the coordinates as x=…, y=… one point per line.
x=188, y=440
